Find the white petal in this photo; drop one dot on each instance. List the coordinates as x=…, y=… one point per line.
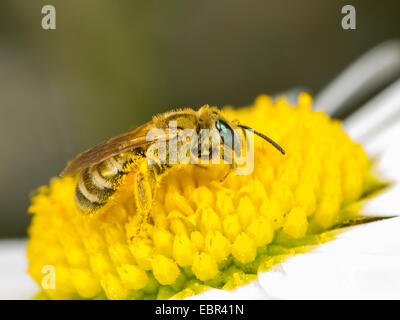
x=251, y=291
x=363, y=263
x=15, y=282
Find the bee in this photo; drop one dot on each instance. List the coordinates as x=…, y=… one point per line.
x=145, y=151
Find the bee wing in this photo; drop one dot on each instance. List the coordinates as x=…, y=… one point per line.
x=111, y=147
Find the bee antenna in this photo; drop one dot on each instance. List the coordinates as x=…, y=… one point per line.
x=277, y=146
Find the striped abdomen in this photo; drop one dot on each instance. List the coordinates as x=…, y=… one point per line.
x=96, y=184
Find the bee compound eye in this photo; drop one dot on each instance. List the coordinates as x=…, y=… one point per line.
x=225, y=132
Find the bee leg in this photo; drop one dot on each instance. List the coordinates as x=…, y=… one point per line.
x=226, y=174
x=144, y=195
x=202, y=166
x=205, y=167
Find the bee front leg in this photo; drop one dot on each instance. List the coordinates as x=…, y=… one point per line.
x=230, y=169
x=144, y=190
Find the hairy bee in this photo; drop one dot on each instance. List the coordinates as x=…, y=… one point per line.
x=147, y=150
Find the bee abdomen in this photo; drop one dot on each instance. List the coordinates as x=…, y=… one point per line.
x=96, y=184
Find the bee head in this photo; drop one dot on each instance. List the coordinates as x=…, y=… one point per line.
x=226, y=129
